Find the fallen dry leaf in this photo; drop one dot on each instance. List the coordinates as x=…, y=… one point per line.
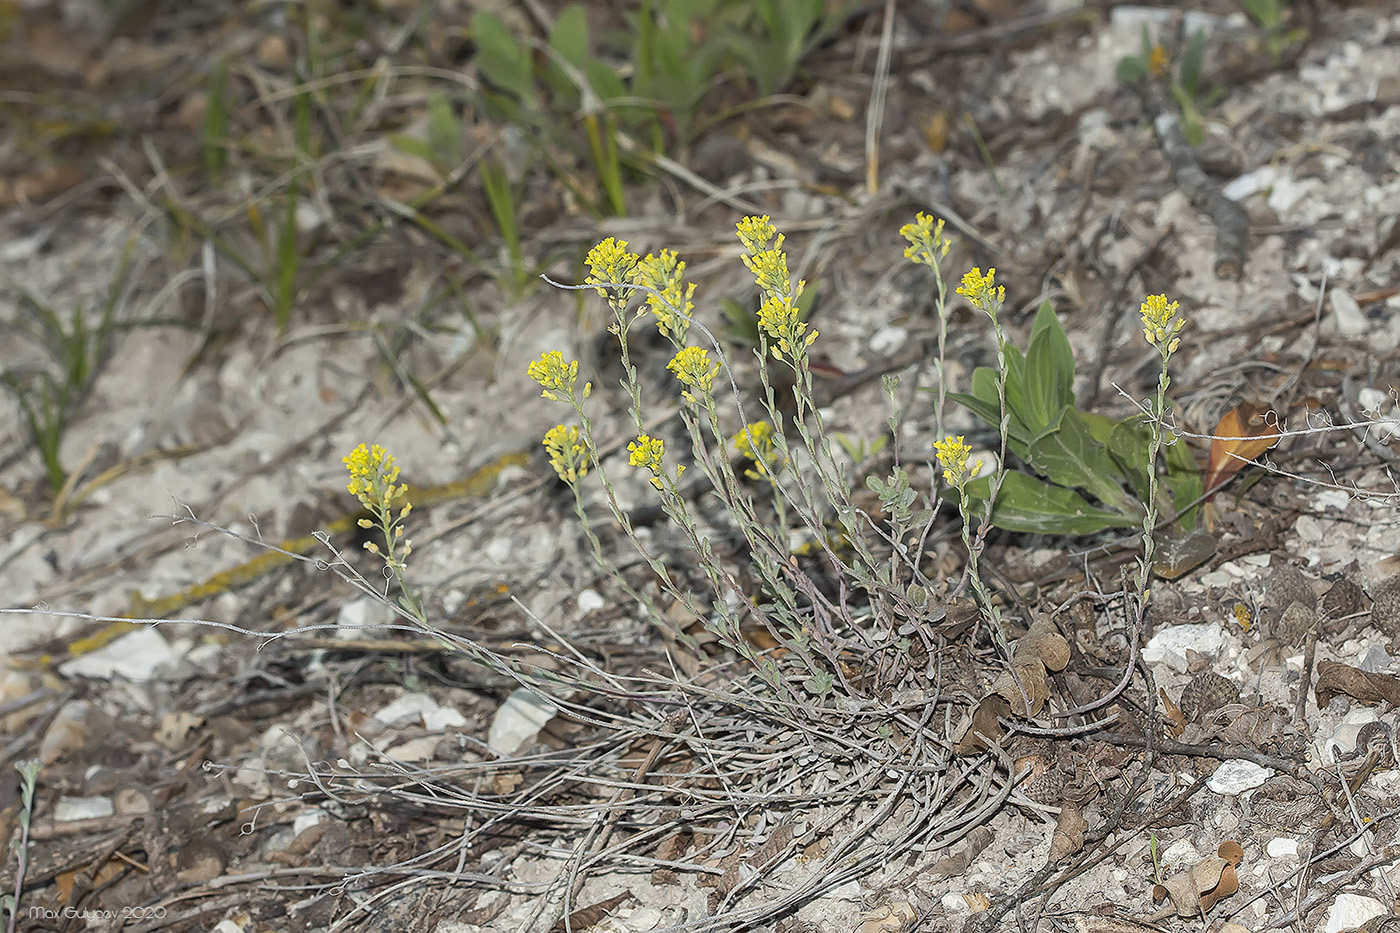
x=1336, y=679
x=891, y=918
x=1069, y=833
x=1242, y=434
x=1197, y=889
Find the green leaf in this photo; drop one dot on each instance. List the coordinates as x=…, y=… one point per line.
x=1191, y=63
x=1027, y=504
x=1068, y=455
x=413, y=146
x=1131, y=69
x=1129, y=444
x=1015, y=388
x=1049, y=371
x=569, y=37
x=444, y=132
x=1184, y=481
x=504, y=61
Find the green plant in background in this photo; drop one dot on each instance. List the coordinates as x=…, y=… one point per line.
x=742, y=327
x=29, y=775
x=1110, y=461
x=1152, y=62
x=76, y=346
x=1269, y=15
x=668, y=60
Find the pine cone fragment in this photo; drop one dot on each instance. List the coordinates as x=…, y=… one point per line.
x=1206, y=693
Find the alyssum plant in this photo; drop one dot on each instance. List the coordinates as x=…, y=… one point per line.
x=787, y=487
x=808, y=487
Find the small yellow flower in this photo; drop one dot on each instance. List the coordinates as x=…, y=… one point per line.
x=566, y=452
x=780, y=320
x=756, y=443
x=693, y=368
x=982, y=291
x=372, y=480
x=952, y=454
x=372, y=476
x=755, y=232
x=646, y=452
x=770, y=271
x=611, y=264
x=556, y=376
x=1160, y=323
x=1157, y=60
x=927, y=244
x=671, y=300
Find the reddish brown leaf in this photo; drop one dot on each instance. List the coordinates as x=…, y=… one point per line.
x=1242, y=434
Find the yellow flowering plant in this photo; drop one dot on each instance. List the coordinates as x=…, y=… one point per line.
x=813, y=499
x=374, y=481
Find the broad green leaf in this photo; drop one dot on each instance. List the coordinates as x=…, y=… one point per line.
x=569, y=43
x=1015, y=388
x=444, y=132
x=606, y=84
x=1068, y=455
x=1049, y=378
x=569, y=37
x=413, y=146
x=1184, y=481
x=983, y=403
x=1129, y=444
x=1027, y=504
x=502, y=60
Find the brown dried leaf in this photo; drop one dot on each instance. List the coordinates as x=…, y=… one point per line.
x=1198, y=888
x=594, y=914
x=1069, y=833
x=1044, y=641
x=984, y=723
x=957, y=862
x=891, y=918
x=1028, y=683
x=1336, y=679
x=1175, y=720
x=1226, y=881
x=1242, y=434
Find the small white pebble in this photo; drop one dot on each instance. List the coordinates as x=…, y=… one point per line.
x=591, y=601
x=1282, y=847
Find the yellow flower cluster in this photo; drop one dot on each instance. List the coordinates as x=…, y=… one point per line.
x=927, y=244
x=566, y=452
x=982, y=292
x=646, y=452
x=1160, y=324
x=372, y=480
x=756, y=443
x=557, y=376
x=611, y=264
x=671, y=301
x=778, y=317
x=372, y=476
x=755, y=232
x=952, y=454
x=693, y=368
